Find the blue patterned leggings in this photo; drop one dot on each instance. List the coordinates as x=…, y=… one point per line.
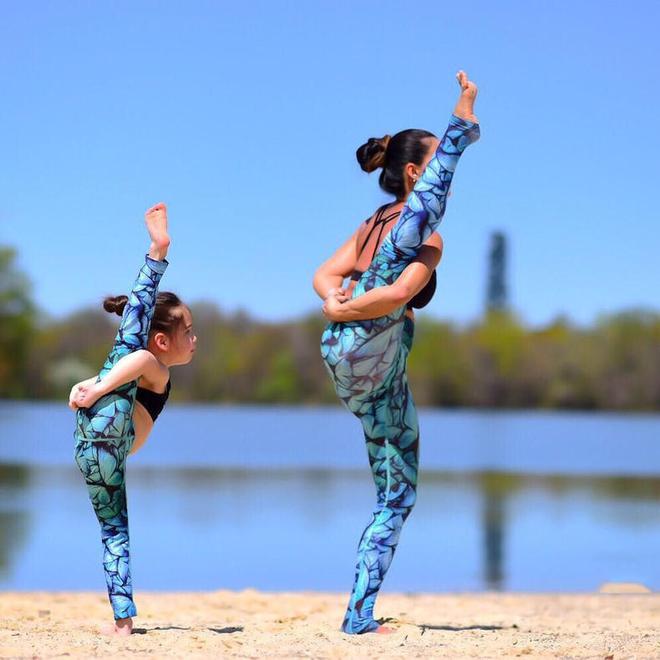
x=104, y=436
x=367, y=363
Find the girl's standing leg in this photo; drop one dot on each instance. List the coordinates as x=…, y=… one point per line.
x=103, y=465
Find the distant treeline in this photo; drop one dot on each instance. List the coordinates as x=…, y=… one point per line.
x=496, y=362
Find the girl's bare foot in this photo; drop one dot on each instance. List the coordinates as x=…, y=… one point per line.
x=465, y=104
x=120, y=628
x=156, y=219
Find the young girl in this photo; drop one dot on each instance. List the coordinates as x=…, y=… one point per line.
x=390, y=260
x=116, y=410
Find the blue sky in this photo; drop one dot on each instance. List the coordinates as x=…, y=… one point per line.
x=244, y=118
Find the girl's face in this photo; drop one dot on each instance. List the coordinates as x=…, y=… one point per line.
x=184, y=342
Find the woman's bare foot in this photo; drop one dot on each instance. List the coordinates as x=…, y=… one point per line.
x=156, y=219
x=120, y=628
x=384, y=630
x=465, y=104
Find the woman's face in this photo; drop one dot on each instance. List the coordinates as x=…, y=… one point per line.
x=414, y=171
x=430, y=152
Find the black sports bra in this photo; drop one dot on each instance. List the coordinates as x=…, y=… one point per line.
x=423, y=297
x=153, y=401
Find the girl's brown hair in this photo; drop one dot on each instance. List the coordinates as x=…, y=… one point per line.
x=166, y=316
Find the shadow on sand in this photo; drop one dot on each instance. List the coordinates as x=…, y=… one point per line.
x=228, y=630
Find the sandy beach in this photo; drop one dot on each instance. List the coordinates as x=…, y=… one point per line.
x=256, y=624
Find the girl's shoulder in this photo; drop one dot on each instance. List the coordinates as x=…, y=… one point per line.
x=156, y=376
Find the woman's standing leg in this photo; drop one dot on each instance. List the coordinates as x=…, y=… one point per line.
x=389, y=420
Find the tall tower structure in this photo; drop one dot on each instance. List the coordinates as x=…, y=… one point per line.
x=496, y=294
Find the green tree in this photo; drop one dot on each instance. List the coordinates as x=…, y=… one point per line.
x=16, y=325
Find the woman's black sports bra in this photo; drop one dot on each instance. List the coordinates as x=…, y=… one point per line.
x=153, y=401
x=423, y=297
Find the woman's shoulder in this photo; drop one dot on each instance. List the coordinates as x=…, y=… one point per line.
x=383, y=213
x=434, y=240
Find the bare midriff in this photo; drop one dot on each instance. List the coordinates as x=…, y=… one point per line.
x=142, y=423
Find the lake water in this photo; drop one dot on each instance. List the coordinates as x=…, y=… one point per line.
x=276, y=498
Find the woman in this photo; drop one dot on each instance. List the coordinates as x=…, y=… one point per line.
x=390, y=259
x=116, y=410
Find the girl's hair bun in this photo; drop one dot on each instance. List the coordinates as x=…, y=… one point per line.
x=115, y=304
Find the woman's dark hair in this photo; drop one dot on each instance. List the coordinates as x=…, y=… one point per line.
x=392, y=154
x=166, y=316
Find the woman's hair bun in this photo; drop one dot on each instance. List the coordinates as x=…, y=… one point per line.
x=371, y=155
x=115, y=304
